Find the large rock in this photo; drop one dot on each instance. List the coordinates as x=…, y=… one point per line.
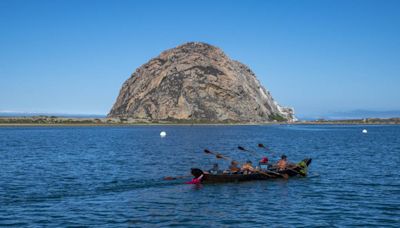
x=196, y=81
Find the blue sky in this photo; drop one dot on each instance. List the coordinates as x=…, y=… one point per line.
x=316, y=56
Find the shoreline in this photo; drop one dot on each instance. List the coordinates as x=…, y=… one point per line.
x=53, y=121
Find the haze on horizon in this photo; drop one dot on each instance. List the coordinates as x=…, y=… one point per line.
x=319, y=57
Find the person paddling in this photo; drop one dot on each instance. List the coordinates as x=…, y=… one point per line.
x=198, y=176
x=263, y=163
x=196, y=180
x=233, y=167
x=264, y=160
x=282, y=163
x=247, y=167
x=215, y=169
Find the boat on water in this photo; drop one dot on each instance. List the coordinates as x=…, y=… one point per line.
x=300, y=170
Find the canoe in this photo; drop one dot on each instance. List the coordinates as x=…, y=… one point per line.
x=299, y=171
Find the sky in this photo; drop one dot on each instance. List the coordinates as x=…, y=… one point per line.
x=319, y=57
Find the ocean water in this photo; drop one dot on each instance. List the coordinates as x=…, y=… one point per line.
x=113, y=177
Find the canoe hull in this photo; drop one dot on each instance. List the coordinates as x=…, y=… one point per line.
x=265, y=175
x=225, y=178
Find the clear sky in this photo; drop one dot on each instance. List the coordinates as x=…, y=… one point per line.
x=317, y=56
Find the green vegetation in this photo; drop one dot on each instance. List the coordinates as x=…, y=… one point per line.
x=53, y=120
x=56, y=121
x=355, y=121
x=40, y=120
x=277, y=118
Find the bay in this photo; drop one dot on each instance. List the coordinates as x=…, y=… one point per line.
x=113, y=176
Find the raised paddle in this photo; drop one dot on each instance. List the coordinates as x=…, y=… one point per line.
x=228, y=158
x=285, y=176
x=217, y=155
x=256, y=171
x=181, y=177
x=244, y=149
x=262, y=146
x=205, y=151
x=265, y=148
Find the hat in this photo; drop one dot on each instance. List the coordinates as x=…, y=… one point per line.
x=264, y=160
x=283, y=156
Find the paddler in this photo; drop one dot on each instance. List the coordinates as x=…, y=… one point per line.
x=247, y=167
x=198, y=176
x=215, y=169
x=264, y=160
x=264, y=163
x=282, y=163
x=196, y=180
x=233, y=167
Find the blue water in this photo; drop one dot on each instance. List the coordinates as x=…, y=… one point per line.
x=113, y=176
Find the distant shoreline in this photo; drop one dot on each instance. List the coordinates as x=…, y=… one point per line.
x=66, y=122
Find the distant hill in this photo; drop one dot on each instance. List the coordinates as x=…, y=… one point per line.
x=30, y=114
x=354, y=114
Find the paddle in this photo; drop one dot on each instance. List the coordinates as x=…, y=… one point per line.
x=264, y=147
x=217, y=155
x=174, y=178
x=294, y=171
x=285, y=176
x=242, y=148
x=266, y=174
x=273, y=154
x=230, y=159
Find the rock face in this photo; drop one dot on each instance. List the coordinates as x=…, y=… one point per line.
x=196, y=81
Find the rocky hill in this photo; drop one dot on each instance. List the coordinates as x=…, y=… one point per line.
x=196, y=81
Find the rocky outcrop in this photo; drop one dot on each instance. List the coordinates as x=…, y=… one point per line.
x=196, y=81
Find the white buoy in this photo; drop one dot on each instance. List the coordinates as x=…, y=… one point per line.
x=163, y=134
x=365, y=131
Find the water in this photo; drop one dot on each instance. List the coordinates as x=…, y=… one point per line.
x=112, y=176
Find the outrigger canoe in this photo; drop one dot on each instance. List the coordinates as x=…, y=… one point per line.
x=300, y=170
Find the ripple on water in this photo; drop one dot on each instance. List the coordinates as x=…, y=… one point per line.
x=112, y=176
